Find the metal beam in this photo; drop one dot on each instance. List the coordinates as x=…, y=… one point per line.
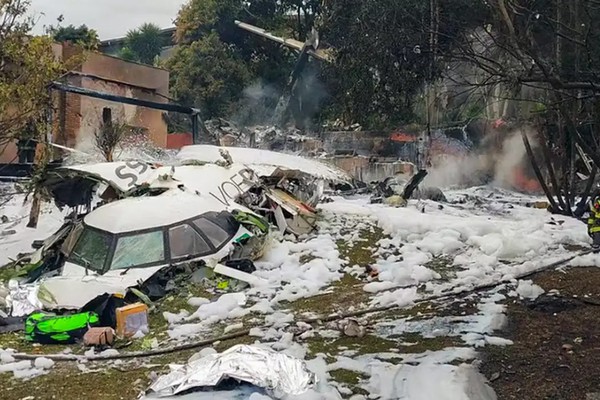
x=291, y=43
x=194, y=113
x=125, y=100
x=281, y=111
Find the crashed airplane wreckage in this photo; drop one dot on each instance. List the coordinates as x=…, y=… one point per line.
x=283, y=188
x=137, y=229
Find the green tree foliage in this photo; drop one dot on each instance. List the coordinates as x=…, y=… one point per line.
x=143, y=44
x=127, y=54
x=198, y=18
x=305, y=14
x=27, y=66
x=206, y=28
x=209, y=74
x=385, y=51
x=81, y=36
x=385, y=54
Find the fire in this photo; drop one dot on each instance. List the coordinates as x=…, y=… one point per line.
x=523, y=183
x=403, y=137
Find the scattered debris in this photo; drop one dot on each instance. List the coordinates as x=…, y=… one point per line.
x=352, y=328
x=568, y=348
x=239, y=275
x=542, y=205
x=228, y=133
x=280, y=374
x=552, y=304
x=338, y=125
x=495, y=376
x=395, y=191
x=99, y=337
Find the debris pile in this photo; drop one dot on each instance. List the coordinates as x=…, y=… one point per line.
x=138, y=231
x=227, y=133
x=339, y=126
x=396, y=191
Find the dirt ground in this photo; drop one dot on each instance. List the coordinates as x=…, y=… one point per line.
x=556, y=342
x=554, y=355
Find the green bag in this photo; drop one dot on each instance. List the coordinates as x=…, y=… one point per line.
x=250, y=219
x=59, y=329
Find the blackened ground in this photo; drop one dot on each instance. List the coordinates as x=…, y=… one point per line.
x=556, y=351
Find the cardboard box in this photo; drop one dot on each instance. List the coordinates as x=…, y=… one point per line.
x=131, y=319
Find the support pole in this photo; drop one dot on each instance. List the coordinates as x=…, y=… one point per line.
x=195, y=131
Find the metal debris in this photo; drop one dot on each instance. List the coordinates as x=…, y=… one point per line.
x=23, y=299
x=278, y=373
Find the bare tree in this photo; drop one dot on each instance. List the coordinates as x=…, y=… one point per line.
x=109, y=135
x=539, y=58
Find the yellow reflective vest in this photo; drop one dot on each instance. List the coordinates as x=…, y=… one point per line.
x=594, y=219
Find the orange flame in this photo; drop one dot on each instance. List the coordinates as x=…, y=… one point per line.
x=523, y=183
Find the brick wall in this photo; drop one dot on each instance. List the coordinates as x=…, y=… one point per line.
x=79, y=116
x=364, y=142
x=8, y=153
x=72, y=118
x=362, y=169
x=176, y=141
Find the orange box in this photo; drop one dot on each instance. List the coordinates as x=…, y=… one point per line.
x=131, y=319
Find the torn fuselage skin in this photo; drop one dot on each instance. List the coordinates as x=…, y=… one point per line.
x=122, y=245
x=98, y=253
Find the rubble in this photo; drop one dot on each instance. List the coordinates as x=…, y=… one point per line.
x=339, y=125
x=227, y=133
x=352, y=328
x=138, y=228
x=395, y=191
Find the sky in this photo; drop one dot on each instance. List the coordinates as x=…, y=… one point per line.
x=110, y=18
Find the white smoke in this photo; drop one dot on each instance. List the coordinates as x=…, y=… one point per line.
x=260, y=100
x=511, y=156
x=257, y=104
x=457, y=171
x=492, y=163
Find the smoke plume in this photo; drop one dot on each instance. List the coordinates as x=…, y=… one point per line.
x=500, y=161
x=259, y=101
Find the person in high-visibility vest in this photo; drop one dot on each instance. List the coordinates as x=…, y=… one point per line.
x=593, y=223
